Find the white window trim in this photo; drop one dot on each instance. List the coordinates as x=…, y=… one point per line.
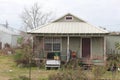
x=53, y=43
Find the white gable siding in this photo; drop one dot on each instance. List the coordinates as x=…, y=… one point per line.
x=74, y=19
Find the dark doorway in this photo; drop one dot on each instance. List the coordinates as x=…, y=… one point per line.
x=85, y=47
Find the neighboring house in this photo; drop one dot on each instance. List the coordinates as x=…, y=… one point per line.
x=8, y=35
x=112, y=39
x=71, y=34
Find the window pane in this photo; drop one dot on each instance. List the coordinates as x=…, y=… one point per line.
x=56, y=47
x=56, y=40
x=48, y=40
x=48, y=47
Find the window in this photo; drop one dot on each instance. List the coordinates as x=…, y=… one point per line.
x=48, y=47
x=56, y=47
x=56, y=40
x=52, y=44
x=69, y=17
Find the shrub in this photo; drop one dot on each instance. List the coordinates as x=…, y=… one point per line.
x=98, y=71
x=23, y=57
x=20, y=40
x=72, y=64
x=113, y=60
x=20, y=59
x=77, y=74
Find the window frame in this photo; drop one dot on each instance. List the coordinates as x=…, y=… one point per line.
x=52, y=42
x=68, y=19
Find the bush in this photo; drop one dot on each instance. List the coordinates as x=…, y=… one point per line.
x=113, y=60
x=98, y=71
x=69, y=75
x=72, y=64
x=21, y=59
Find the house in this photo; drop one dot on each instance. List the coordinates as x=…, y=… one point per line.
x=8, y=35
x=71, y=34
x=111, y=40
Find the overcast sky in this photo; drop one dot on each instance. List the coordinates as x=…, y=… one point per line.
x=105, y=13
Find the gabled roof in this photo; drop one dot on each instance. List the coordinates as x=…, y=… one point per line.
x=79, y=19
x=77, y=26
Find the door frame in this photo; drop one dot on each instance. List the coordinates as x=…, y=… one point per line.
x=90, y=46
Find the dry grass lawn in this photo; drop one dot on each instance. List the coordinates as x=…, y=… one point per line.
x=8, y=70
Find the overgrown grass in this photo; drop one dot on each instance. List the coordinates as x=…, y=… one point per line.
x=9, y=70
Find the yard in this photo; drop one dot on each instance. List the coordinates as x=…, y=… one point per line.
x=8, y=70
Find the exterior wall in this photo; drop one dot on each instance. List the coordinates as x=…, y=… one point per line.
x=111, y=40
x=8, y=38
x=5, y=38
x=38, y=46
x=64, y=46
x=38, y=43
x=75, y=45
x=14, y=40
x=64, y=49
x=97, y=47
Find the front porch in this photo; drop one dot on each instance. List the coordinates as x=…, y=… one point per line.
x=90, y=49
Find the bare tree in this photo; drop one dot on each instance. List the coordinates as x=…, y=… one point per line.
x=35, y=17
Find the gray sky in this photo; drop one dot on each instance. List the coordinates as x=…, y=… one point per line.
x=105, y=13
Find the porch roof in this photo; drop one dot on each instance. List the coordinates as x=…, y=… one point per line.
x=62, y=26
x=69, y=28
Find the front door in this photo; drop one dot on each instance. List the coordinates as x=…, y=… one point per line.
x=85, y=47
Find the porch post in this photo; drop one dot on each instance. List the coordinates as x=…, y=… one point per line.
x=104, y=48
x=80, y=47
x=68, y=54
x=91, y=48
x=33, y=43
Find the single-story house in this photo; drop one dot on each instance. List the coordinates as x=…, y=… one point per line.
x=8, y=35
x=71, y=34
